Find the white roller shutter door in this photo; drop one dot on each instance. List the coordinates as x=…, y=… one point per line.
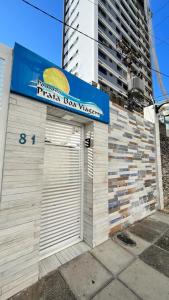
x=62, y=187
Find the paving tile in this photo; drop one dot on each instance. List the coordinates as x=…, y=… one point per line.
x=157, y=258
x=85, y=276
x=117, y=291
x=34, y=292
x=57, y=288
x=155, y=225
x=159, y=216
x=163, y=242
x=144, y=232
x=146, y=282
x=139, y=248
x=51, y=287
x=113, y=256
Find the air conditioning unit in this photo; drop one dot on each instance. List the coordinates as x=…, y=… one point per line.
x=136, y=84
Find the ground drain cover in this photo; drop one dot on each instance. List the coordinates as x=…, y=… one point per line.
x=125, y=239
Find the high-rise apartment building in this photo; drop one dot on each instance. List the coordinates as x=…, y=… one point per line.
x=108, y=21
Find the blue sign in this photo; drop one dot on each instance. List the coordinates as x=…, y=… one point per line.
x=37, y=78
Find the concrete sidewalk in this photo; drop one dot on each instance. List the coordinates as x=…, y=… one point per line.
x=113, y=270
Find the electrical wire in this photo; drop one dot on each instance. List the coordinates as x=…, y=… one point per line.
x=86, y=35
x=150, y=35
x=157, y=38
x=165, y=75
x=163, y=41
x=65, y=24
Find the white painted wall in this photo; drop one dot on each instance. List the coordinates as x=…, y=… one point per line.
x=5, y=75
x=95, y=216
x=158, y=164
x=21, y=196
x=149, y=114
x=88, y=59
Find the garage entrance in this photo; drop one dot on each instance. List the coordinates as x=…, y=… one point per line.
x=61, y=213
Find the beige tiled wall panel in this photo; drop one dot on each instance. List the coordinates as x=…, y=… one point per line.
x=21, y=196
x=96, y=185
x=100, y=183
x=88, y=187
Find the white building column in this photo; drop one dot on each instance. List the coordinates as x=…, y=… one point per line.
x=151, y=115
x=96, y=226
x=158, y=164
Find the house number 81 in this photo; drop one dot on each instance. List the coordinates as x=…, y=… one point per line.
x=23, y=139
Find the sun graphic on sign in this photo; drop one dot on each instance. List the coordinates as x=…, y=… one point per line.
x=56, y=78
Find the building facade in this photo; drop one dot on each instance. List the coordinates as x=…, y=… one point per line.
x=109, y=22
x=74, y=168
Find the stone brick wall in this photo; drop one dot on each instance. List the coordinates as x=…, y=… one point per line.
x=132, y=168
x=164, y=143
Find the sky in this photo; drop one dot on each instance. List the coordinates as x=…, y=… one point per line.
x=43, y=35
x=160, y=10
x=32, y=29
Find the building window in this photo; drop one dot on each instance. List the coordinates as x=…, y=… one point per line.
x=102, y=12
x=102, y=70
x=102, y=54
x=119, y=68
x=124, y=28
x=118, y=55
x=117, y=6
x=125, y=87
x=118, y=30
x=102, y=25
x=117, y=18
x=124, y=17
x=119, y=82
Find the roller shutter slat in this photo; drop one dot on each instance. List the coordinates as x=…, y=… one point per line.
x=61, y=195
